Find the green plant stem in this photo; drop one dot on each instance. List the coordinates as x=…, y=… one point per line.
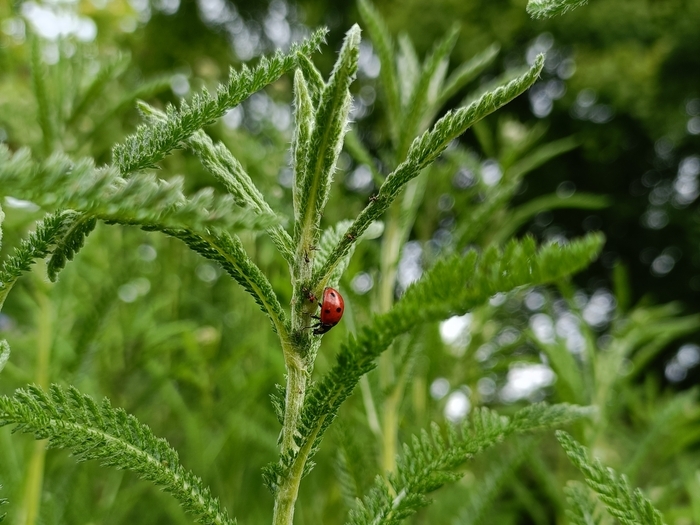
x=298, y=357
x=289, y=488
x=391, y=249
x=35, y=472
x=368, y=400
x=286, y=496
x=294, y=399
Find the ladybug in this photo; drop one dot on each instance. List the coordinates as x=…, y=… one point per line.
x=332, y=308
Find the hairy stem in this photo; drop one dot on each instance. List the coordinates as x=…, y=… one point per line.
x=298, y=357
x=294, y=399
x=289, y=489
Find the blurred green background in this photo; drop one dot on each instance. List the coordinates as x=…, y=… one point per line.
x=169, y=338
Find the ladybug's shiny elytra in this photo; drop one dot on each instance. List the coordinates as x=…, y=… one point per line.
x=332, y=307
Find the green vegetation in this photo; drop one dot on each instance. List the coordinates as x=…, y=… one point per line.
x=465, y=339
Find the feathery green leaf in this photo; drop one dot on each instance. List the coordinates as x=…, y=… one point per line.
x=225, y=167
x=74, y=421
x=452, y=287
x=581, y=506
x=304, y=117
x=425, y=92
x=628, y=506
x=313, y=77
x=551, y=8
x=424, y=151
x=326, y=142
x=430, y=461
x=151, y=143
x=142, y=199
x=37, y=246
x=69, y=244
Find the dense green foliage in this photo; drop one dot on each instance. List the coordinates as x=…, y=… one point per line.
x=382, y=175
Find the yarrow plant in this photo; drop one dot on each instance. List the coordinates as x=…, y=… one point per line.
x=77, y=194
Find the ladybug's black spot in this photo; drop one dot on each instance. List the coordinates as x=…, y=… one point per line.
x=328, y=310
x=332, y=294
x=338, y=310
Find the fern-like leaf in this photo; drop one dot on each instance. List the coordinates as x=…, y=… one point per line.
x=225, y=167
x=325, y=143
x=142, y=199
x=69, y=244
x=36, y=246
x=582, y=509
x=451, y=287
x=313, y=77
x=483, y=492
x=551, y=8
x=629, y=507
x=430, y=460
x=424, y=151
x=151, y=143
x=74, y=421
x=422, y=99
x=325, y=246
x=304, y=115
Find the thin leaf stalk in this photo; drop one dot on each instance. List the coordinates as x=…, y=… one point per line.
x=391, y=248
x=35, y=472
x=400, y=220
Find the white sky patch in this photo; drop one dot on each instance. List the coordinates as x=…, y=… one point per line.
x=526, y=379
x=457, y=407
x=439, y=388
x=55, y=21
x=600, y=308
x=20, y=204
x=543, y=327
x=688, y=356
x=534, y=300
x=453, y=329
x=410, y=267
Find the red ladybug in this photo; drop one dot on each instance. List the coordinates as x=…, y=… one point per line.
x=332, y=309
